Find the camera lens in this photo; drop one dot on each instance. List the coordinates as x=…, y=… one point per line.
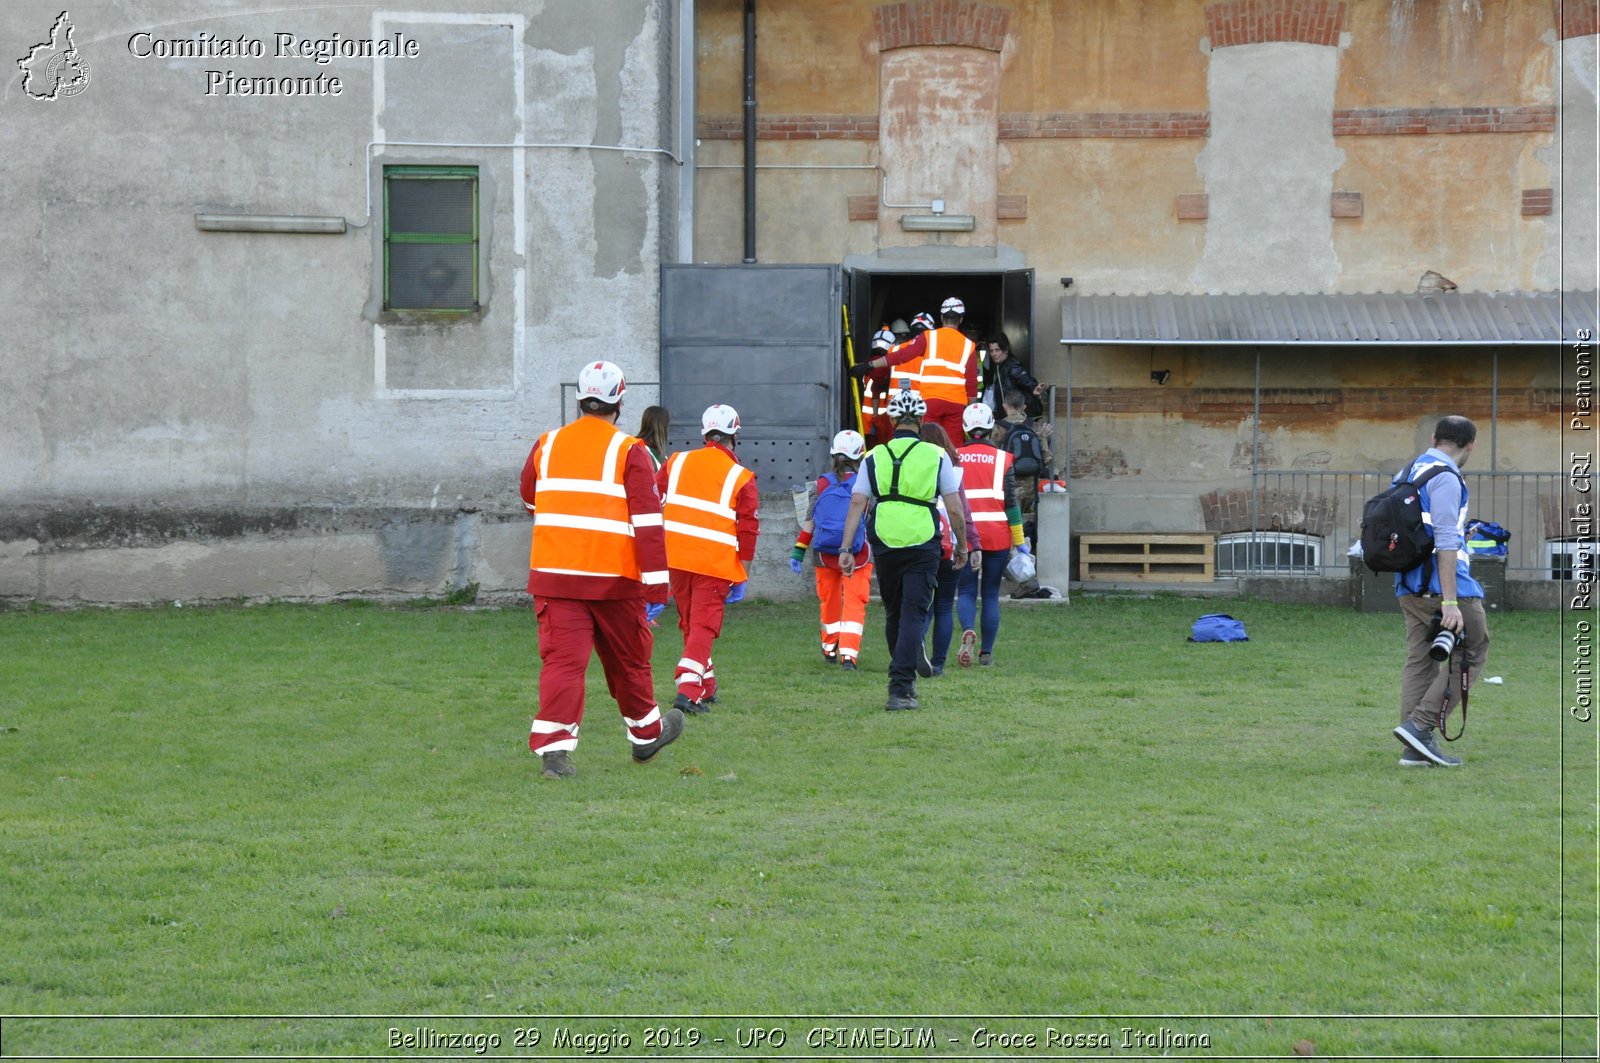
x=1443, y=643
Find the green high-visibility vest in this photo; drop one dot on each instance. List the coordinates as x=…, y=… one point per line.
x=905, y=482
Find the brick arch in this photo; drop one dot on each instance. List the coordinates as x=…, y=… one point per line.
x=1577, y=18
x=921, y=23
x=1258, y=21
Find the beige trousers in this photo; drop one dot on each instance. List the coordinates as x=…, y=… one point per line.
x=1429, y=690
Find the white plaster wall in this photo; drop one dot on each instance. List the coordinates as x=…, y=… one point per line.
x=1268, y=170
x=1568, y=260
x=149, y=363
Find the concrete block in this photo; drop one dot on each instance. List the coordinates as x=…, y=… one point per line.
x=21, y=569
x=1053, y=541
x=501, y=563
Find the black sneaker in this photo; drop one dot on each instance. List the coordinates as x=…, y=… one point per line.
x=986, y=660
x=847, y=663
x=671, y=728
x=1426, y=744
x=924, y=666
x=1410, y=758
x=900, y=702
x=693, y=708
x=829, y=658
x=557, y=765
x=938, y=670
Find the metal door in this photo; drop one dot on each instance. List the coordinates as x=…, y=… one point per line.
x=1016, y=315
x=764, y=339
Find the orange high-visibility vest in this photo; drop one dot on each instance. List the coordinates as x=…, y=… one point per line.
x=698, y=512
x=983, y=469
x=910, y=370
x=943, y=370
x=581, y=523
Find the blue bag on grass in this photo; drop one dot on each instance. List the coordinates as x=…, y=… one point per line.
x=1218, y=627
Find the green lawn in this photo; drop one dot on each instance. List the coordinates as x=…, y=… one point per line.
x=295, y=811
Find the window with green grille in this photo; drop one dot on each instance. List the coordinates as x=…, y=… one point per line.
x=430, y=238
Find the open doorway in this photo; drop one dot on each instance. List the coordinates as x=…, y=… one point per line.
x=997, y=301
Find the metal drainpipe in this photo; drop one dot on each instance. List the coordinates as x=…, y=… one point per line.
x=1064, y=461
x=1253, y=563
x=749, y=131
x=1494, y=413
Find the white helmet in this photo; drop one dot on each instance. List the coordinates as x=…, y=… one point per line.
x=953, y=305
x=922, y=322
x=899, y=327
x=848, y=444
x=719, y=418
x=882, y=340
x=977, y=418
x=906, y=403
x=603, y=381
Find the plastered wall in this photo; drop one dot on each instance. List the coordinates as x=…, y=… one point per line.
x=152, y=368
x=1201, y=147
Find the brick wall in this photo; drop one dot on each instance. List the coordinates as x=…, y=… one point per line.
x=1577, y=18
x=1368, y=121
x=1276, y=510
x=1066, y=125
x=1283, y=406
x=1257, y=21
x=1398, y=121
x=927, y=23
x=790, y=127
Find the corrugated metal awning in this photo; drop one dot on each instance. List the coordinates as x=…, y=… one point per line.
x=1485, y=319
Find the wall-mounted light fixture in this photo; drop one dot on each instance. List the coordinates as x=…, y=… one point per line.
x=268, y=223
x=1160, y=376
x=938, y=223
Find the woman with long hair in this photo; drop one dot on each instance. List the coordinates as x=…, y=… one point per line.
x=653, y=425
x=941, y=617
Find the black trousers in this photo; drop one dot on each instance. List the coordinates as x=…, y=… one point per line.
x=907, y=578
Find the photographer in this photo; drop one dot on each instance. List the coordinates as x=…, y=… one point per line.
x=1437, y=596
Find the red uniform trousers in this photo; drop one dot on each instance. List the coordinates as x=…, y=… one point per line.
x=844, y=609
x=570, y=629
x=947, y=415
x=877, y=429
x=700, y=608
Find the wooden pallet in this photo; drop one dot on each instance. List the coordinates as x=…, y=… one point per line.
x=1147, y=557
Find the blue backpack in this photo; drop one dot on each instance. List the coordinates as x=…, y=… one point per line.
x=1218, y=627
x=828, y=516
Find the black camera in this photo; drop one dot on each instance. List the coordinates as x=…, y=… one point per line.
x=1444, y=640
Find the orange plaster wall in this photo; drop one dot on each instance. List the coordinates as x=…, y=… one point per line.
x=817, y=57
x=1444, y=55
x=1105, y=55
x=1445, y=203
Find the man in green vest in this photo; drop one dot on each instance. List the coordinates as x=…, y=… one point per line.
x=902, y=480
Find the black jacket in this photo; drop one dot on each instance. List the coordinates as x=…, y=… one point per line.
x=1010, y=376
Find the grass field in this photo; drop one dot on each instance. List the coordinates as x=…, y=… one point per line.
x=294, y=811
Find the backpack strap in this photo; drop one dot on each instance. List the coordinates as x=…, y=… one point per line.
x=1427, y=562
x=894, y=494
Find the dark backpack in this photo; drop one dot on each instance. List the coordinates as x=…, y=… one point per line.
x=1393, y=536
x=828, y=517
x=1022, y=443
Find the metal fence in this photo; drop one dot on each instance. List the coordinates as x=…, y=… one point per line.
x=1303, y=522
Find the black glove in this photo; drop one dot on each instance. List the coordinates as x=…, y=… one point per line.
x=860, y=370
